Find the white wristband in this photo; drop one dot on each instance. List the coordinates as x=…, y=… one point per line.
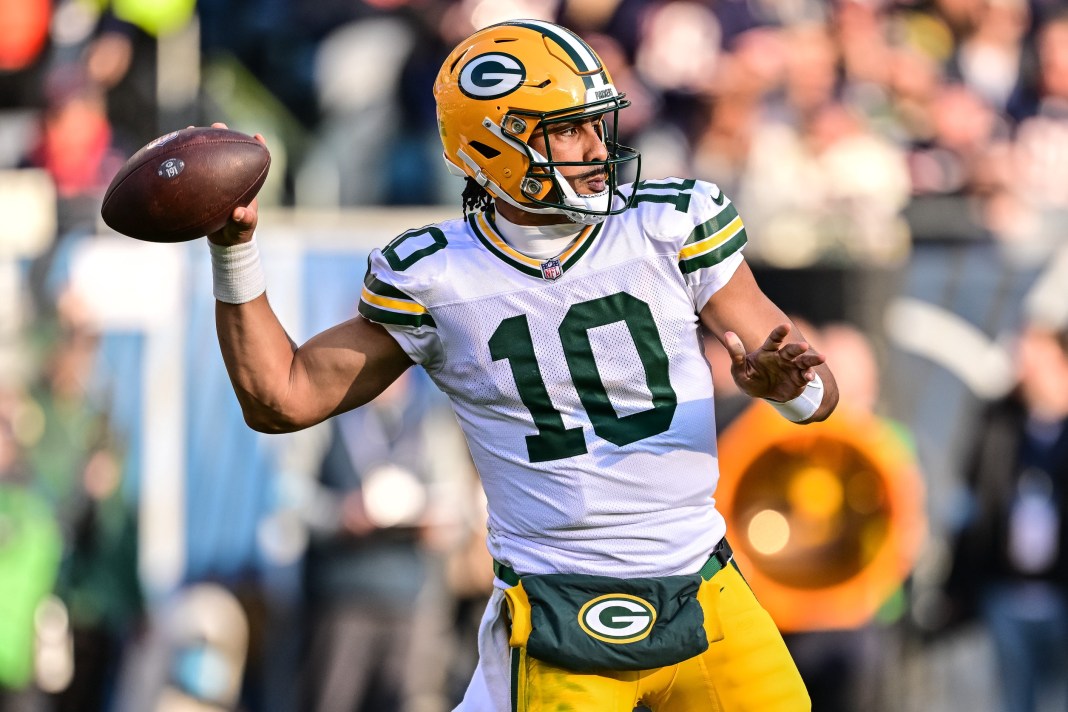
x=805, y=405
x=236, y=273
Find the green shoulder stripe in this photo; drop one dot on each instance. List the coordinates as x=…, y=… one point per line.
x=714, y=255
x=382, y=289
x=713, y=225
x=677, y=193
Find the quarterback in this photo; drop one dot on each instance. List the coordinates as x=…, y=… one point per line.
x=562, y=316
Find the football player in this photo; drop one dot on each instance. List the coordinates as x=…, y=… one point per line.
x=561, y=316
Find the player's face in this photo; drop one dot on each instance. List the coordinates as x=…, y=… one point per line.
x=581, y=140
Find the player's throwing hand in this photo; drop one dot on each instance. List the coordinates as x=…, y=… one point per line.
x=242, y=223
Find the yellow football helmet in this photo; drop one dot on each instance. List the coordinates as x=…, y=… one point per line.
x=507, y=81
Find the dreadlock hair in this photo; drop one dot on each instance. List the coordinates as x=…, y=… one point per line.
x=475, y=198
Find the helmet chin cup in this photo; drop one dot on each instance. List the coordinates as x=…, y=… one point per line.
x=596, y=208
x=584, y=218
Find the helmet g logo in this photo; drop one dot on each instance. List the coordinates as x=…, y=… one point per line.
x=490, y=76
x=617, y=618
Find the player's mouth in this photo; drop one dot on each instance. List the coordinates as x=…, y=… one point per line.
x=596, y=181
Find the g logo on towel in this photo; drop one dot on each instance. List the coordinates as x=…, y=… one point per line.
x=617, y=618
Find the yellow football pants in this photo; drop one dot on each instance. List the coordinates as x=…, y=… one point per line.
x=748, y=669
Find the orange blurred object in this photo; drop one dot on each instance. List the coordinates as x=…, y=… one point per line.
x=25, y=24
x=826, y=519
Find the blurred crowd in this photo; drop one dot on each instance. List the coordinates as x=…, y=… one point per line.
x=901, y=119
x=919, y=144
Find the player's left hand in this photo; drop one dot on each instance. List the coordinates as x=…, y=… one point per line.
x=777, y=370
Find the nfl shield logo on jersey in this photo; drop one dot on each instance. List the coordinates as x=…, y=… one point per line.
x=551, y=270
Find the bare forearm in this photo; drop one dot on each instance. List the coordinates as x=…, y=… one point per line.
x=282, y=387
x=260, y=358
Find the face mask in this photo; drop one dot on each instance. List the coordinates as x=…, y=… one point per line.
x=597, y=202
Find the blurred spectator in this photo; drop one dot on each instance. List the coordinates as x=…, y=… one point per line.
x=469, y=582
x=120, y=59
x=853, y=352
x=74, y=145
x=137, y=54
x=94, y=50
x=862, y=32
x=368, y=568
x=734, y=104
x=357, y=70
x=676, y=53
x=1041, y=151
x=75, y=141
x=962, y=128
x=680, y=46
x=817, y=182
x=828, y=189
x=1010, y=562
x=30, y=549
x=916, y=73
x=417, y=174
x=990, y=58
x=956, y=182
x=810, y=79
x=75, y=462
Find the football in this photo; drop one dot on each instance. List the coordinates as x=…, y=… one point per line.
x=185, y=184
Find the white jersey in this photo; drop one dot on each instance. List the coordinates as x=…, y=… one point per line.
x=579, y=381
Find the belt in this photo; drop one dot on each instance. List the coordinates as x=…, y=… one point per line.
x=717, y=561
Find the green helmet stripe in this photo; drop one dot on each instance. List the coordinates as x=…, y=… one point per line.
x=577, y=49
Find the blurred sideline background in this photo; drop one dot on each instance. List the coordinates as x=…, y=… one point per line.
x=902, y=166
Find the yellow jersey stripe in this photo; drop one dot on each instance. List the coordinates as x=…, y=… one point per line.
x=712, y=241
x=391, y=304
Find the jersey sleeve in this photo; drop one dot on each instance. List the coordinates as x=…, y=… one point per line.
x=712, y=250
x=385, y=301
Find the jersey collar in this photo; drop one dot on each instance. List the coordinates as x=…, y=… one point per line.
x=548, y=269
